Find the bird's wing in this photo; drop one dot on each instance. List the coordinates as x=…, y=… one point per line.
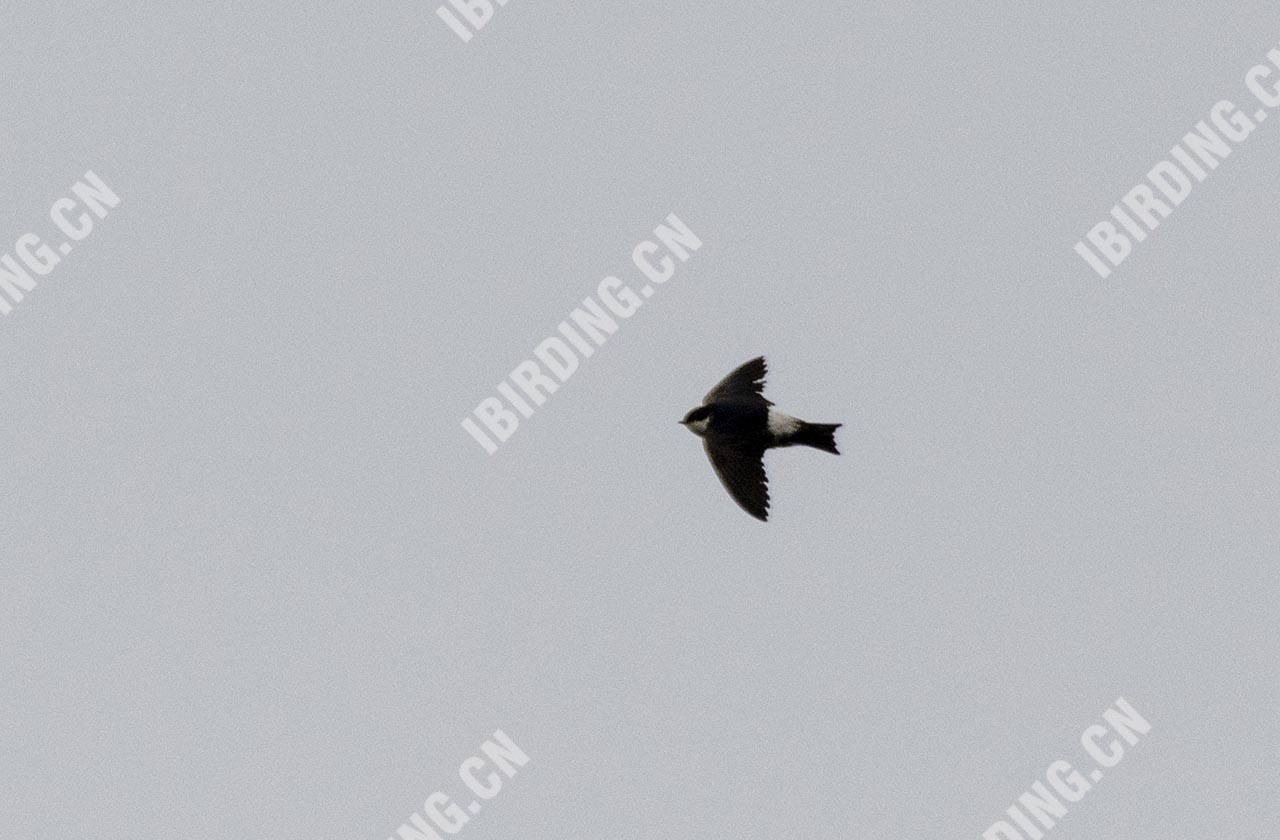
x=744, y=384
x=741, y=471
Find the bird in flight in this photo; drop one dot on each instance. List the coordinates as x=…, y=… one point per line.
x=737, y=424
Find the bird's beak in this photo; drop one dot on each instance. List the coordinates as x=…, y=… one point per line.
x=682, y=422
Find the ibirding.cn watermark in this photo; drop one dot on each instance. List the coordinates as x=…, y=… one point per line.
x=1040, y=809
x=443, y=814
x=556, y=353
x=475, y=12
x=39, y=258
x=1201, y=150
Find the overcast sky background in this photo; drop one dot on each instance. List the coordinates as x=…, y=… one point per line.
x=258, y=582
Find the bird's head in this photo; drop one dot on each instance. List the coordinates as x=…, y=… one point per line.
x=697, y=420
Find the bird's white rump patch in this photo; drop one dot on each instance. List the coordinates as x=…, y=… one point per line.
x=782, y=426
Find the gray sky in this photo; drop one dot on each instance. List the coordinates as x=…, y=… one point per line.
x=259, y=583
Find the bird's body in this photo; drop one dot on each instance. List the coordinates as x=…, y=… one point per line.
x=737, y=424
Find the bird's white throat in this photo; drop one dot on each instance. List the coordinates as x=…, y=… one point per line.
x=699, y=427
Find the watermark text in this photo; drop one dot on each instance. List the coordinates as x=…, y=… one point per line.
x=557, y=352
x=1209, y=143
x=1047, y=807
x=34, y=256
x=443, y=814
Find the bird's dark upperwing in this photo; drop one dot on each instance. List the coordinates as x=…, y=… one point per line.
x=741, y=471
x=744, y=385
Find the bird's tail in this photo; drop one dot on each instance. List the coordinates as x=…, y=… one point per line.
x=819, y=436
